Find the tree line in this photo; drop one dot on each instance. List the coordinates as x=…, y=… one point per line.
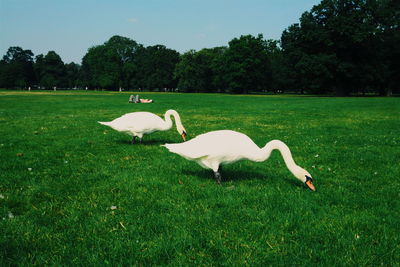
x=340, y=47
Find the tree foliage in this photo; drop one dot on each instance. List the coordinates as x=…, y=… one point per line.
x=242, y=67
x=155, y=67
x=103, y=65
x=340, y=47
x=344, y=46
x=201, y=71
x=50, y=70
x=247, y=64
x=16, y=68
x=122, y=62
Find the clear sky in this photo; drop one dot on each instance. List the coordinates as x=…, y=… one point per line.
x=70, y=27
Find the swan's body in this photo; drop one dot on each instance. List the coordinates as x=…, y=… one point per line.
x=212, y=149
x=138, y=124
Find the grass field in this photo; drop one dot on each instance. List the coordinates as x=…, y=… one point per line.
x=61, y=174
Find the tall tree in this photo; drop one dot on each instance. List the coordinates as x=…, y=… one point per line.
x=134, y=73
x=341, y=46
x=186, y=72
x=72, y=75
x=348, y=39
x=247, y=64
x=16, y=68
x=200, y=71
x=308, y=58
x=385, y=16
x=103, y=65
x=93, y=72
x=157, y=65
x=50, y=70
x=219, y=68
x=278, y=71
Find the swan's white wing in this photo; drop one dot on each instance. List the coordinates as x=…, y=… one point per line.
x=142, y=122
x=225, y=145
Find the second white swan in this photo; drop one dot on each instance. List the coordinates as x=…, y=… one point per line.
x=138, y=124
x=222, y=147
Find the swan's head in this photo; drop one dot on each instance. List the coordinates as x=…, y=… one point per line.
x=305, y=177
x=179, y=127
x=181, y=130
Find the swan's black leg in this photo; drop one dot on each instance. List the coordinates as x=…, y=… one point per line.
x=133, y=139
x=217, y=176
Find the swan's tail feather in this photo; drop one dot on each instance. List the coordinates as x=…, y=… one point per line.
x=183, y=150
x=169, y=147
x=174, y=148
x=104, y=123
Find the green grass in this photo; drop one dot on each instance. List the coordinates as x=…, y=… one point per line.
x=61, y=172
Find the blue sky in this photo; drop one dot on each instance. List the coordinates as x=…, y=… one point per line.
x=70, y=27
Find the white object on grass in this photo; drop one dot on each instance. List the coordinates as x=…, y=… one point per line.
x=138, y=124
x=212, y=149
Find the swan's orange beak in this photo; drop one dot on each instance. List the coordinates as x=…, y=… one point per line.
x=310, y=185
x=184, y=136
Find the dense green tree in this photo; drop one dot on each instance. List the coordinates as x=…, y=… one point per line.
x=5, y=78
x=93, y=72
x=103, y=65
x=343, y=46
x=292, y=53
x=50, y=71
x=276, y=58
x=121, y=62
x=339, y=46
x=200, y=71
x=133, y=69
x=348, y=38
x=72, y=75
x=38, y=67
x=156, y=67
x=385, y=16
x=186, y=72
x=247, y=64
x=16, y=68
x=307, y=67
x=218, y=65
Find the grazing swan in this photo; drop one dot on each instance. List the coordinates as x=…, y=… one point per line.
x=137, y=124
x=221, y=147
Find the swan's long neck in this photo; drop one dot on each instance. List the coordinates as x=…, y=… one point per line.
x=265, y=153
x=168, y=121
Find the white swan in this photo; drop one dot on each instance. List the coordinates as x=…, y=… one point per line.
x=137, y=124
x=221, y=147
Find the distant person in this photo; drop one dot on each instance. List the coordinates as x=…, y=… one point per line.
x=137, y=99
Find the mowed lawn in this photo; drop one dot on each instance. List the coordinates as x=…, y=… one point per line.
x=74, y=192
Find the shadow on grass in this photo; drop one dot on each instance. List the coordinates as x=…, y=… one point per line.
x=241, y=175
x=151, y=142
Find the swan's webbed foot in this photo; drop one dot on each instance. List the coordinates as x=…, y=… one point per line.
x=217, y=176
